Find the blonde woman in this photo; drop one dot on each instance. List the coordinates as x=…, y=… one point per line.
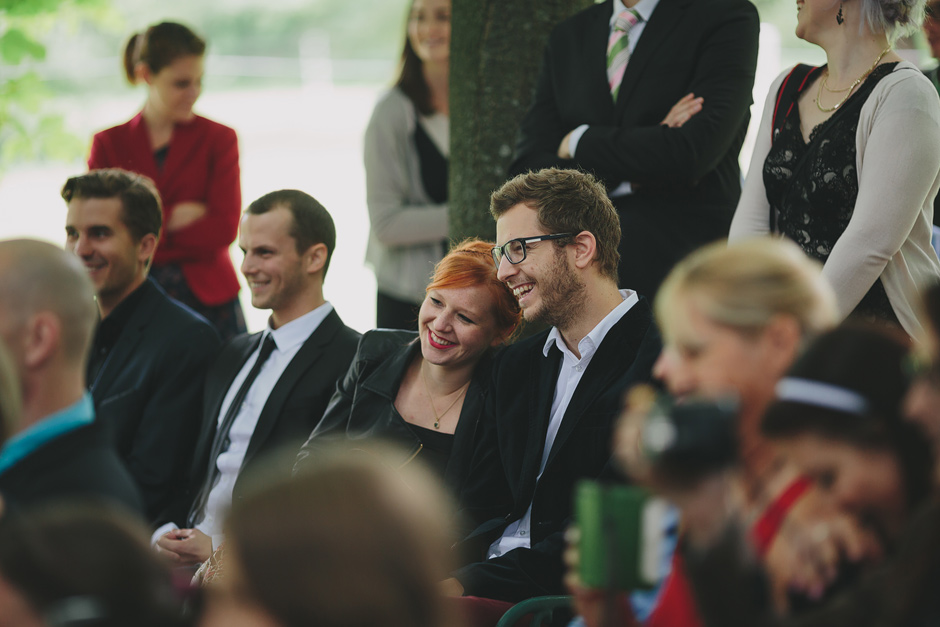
x=734, y=318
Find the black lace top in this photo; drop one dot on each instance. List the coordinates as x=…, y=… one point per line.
x=812, y=187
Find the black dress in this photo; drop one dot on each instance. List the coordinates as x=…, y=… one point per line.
x=812, y=186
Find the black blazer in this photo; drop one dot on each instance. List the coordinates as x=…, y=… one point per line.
x=686, y=180
x=291, y=412
x=148, y=392
x=78, y=465
x=513, y=439
x=363, y=407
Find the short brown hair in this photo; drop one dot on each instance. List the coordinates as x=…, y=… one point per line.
x=566, y=201
x=141, y=209
x=311, y=223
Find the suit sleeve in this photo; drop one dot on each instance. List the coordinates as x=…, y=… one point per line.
x=542, y=128
x=217, y=229
x=519, y=574
x=724, y=77
x=163, y=446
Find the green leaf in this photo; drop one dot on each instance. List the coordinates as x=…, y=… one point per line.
x=15, y=46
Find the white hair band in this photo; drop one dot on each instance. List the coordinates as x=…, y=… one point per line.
x=820, y=394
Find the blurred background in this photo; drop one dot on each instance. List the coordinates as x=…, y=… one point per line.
x=297, y=79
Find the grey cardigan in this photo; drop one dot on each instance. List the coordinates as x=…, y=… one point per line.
x=406, y=228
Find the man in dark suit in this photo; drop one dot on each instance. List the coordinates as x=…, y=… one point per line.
x=150, y=353
x=666, y=146
x=57, y=450
x=266, y=392
x=554, y=396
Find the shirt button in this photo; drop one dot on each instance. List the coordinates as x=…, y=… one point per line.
x=579, y=367
x=522, y=533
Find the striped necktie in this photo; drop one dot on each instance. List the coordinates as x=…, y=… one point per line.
x=618, y=49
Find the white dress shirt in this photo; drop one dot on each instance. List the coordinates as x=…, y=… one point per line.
x=571, y=370
x=288, y=339
x=645, y=9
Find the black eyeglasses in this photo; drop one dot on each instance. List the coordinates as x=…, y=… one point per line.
x=515, y=249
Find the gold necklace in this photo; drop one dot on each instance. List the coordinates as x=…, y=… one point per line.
x=427, y=389
x=825, y=83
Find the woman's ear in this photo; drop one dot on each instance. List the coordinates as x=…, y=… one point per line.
x=783, y=337
x=142, y=73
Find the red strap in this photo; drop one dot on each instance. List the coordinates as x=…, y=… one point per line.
x=783, y=87
x=767, y=526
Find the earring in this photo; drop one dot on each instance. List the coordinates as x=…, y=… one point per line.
x=839, y=17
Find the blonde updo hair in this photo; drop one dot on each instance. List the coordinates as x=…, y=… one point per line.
x=894, y=18
x=743, y=285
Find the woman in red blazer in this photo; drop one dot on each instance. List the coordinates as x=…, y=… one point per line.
x=194, y=162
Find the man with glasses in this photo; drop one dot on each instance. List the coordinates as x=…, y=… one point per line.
x=556, y=395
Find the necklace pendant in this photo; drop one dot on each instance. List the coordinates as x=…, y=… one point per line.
x=437, y=424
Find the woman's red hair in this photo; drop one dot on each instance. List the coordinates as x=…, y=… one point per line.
x=470, y=263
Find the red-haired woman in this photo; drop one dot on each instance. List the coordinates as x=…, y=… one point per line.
x=407, y=144
x=193, y=161
x=427, y=389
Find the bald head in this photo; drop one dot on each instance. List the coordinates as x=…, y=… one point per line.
x=39, y=277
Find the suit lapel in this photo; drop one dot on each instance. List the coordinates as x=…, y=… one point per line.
x=127, y=342
x=595, y=54
x=615, y=355
x=229, y=363
x=542, y=393
x=664, y=19
x=181, y=146
x=139, y=146
x=306, y=358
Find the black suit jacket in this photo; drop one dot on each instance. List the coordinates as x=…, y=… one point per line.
x=686, y=180
x=510, y=452
x=147, y=394
x=78, y=465
x=293, y=409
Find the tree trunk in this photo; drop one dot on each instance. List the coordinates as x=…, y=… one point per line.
x=495, y=54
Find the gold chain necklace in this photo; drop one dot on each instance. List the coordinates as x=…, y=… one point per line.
x=825, y=83
x=427, y=389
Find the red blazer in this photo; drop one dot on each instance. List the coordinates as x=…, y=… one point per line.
x=201, y=165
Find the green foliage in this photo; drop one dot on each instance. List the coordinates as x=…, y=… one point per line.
x=27, y=129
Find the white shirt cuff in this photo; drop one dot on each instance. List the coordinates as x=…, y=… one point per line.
x=575, y=138
x=161, y=531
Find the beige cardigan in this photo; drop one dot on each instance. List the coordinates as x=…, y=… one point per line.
x=898, y=164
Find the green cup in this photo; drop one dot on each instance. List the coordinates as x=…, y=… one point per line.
x=621, y=533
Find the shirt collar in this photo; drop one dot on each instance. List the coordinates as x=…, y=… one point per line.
x=23, y=444
x=643, y=7
x=592, y=340
x=297, y=331
x=109, y=328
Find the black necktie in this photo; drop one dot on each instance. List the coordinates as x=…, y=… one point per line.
x=221, y=441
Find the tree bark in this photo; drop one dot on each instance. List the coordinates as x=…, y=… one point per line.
x=495, y=53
